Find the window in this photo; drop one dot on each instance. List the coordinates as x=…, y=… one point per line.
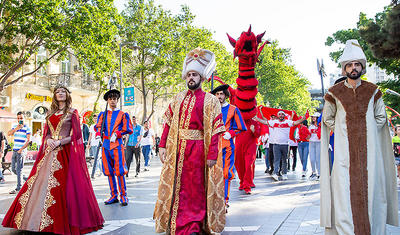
x=40, y=57
x=66, y=65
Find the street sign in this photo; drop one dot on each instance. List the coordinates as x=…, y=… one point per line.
x=129, y=96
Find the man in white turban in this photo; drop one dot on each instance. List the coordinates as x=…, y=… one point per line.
x=191, y=189
x=358, y=190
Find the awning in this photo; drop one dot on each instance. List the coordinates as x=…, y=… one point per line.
x=6, y=116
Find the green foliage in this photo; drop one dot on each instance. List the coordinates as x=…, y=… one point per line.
x=280, y=84
x=85, y=28
x=391, y=100
x=390, y=65
x=383, y=33
x=162, y=41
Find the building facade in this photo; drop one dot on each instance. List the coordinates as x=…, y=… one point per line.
x=32, y=95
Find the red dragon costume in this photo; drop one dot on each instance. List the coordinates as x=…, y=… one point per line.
x=243, y=97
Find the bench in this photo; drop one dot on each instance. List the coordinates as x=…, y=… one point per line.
x=30, y=158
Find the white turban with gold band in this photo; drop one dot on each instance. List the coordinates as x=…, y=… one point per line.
x=201, y=61
x=353, y=52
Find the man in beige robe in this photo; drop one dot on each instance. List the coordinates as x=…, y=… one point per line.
x=358, y=190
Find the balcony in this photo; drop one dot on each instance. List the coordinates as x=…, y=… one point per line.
x=69, y=80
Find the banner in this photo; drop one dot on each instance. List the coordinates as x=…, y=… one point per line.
x=40, y=98
x=129, y=96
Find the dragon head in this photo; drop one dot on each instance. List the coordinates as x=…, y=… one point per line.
x=246, y=47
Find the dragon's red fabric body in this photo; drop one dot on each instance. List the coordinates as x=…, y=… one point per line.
x=243, y=97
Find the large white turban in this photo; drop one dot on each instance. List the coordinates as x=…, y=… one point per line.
x=353, y=52
x=201, y=61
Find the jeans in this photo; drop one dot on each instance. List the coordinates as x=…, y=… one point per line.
x=280, y=153
x=146, y=151
x=17, y=163
x=292, y=149
x=266, y=150
x=96, y=159
x=315, y=153
x=303, y=152
x=130, y=150
x=271, y=156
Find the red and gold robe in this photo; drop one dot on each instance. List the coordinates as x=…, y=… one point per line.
x=191, y=195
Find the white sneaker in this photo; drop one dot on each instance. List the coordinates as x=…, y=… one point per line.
x=284, y=177
x=275, y=177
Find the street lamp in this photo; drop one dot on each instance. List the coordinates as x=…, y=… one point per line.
x=121, y=44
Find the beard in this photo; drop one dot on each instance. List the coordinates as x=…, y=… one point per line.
x=354, y=77
x=193, y=86
x=281, y=118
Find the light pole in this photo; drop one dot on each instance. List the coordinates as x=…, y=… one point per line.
x=121, y=44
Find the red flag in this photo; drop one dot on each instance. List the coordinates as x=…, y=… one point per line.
x=268, y=112
x=307, y=114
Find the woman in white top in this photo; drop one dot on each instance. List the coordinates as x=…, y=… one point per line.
x=146, y=143
x=315, y=146
x=37, y=138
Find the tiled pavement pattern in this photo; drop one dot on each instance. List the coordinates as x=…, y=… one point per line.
x=280, y=208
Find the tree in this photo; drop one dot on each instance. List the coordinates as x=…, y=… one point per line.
x=390, y=65
x=280, y=84
x=85, y=28
x=162, y=40
x=383, y=34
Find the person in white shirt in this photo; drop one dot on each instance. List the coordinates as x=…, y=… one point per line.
x=281, y=137
x=271, y=142
x=265, y=143
x=315, y=146
x=94, y=143
x=37, y=138
x=146, y=143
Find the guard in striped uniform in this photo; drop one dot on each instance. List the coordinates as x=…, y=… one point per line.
x=234, y=124
x=117, y=124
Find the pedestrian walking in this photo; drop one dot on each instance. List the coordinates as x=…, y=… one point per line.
x=396, y=149
x=315, y=146
x=265, y=144
x=303, y=139
x=191, y=193
x=58, y=196
x=22, y=134
x=293, y=144
x=3, y=151
x=133, y=146
x=37, y=138
x=359, y=191
x=94, y=143
x=146, y=143
x=281, y=146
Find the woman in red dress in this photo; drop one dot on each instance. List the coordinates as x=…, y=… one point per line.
x=58, y=196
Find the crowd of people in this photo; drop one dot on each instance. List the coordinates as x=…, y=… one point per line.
x=205, y=139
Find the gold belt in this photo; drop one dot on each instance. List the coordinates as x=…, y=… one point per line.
x=185, y=134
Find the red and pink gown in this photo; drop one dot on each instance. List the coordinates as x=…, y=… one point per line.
x=58, y=196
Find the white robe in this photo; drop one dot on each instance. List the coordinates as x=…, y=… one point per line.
x=336, y=208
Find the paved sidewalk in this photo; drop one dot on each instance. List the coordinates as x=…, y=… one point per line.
x=283, y=208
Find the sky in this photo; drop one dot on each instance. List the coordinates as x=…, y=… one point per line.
x=301, y=25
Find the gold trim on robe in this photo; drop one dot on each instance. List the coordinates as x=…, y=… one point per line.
x=46, y=220
x=214, y=180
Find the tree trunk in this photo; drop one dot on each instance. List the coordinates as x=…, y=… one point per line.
x=144, y=90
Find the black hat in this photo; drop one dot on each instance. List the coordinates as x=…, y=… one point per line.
x=220, y=88
x=112, y=91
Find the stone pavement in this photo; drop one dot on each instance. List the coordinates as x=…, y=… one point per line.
x=281, y=208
